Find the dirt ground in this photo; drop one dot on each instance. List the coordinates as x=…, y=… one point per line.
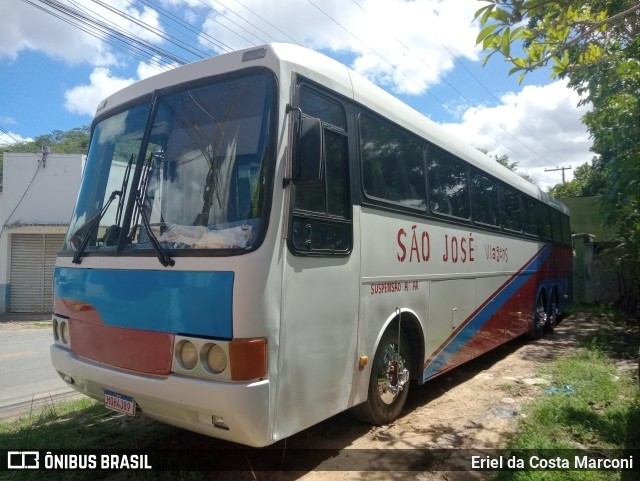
x=475, y=406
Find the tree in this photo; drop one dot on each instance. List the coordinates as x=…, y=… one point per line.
x=588, y=181
x=504, y=161
x=595, y=44
x=74, y=141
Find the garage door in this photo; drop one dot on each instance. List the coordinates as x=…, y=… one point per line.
x=33, y=257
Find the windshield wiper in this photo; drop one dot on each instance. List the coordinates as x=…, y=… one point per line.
x=163, y=255
x=112, y=235
x=90, y=227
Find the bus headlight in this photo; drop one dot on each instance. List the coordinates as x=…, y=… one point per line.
x=215, y=359
x=64, y=332
x=234, y=360
x=61, y=331
x=187, y=354
x=56, y=336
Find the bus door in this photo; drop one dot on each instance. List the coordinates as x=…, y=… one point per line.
x=320, y=297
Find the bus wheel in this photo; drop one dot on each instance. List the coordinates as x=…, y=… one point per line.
x=539, y=319
x=389, y=381
x=553, y=314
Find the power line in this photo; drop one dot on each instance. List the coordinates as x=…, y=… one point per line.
x=380, y=56
x=285, y=34
x=457, y=91
x=133, y=49
x=107, y=31
x=205, y=36
x=10, y=135
x=397, y=69
x=250, y=42
x=171, y=39
x=558, y=169
x=6, y=223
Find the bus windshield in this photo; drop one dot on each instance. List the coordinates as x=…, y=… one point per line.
x=189, y=174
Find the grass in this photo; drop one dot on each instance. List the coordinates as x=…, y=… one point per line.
x=590, y=404
x=85, y=424
x=42, y=324
x=80, y=424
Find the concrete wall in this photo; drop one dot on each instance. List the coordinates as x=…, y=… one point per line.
x=598, y=276
x=38, y=196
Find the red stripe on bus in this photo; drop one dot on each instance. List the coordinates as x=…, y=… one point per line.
x=513, y=319
x=132, y=349
x=477, y=310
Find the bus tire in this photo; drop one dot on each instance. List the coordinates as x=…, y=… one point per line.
x=539, y=320
x=389, y=380
x=553, y=316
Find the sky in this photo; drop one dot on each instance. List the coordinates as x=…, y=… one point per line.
x=54, y=74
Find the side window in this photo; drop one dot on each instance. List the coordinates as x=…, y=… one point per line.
x=392, y=163
x=566, y=229
x=556, y=225
x=537, y=222
x=544, y=219
x=448, y=189
x=321, y=220
x=484, y=199
x=511, y=210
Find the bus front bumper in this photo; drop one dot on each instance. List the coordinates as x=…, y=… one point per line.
x=237, y=412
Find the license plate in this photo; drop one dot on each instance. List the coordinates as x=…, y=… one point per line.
x=120, y=403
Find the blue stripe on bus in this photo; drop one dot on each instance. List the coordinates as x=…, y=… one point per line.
x=182, y=302
x=473, y=325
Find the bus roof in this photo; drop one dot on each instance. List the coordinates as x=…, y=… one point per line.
x=283, y=59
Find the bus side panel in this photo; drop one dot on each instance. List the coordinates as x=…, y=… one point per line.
x=508, y=309
x=471, y=291
x=317, y=345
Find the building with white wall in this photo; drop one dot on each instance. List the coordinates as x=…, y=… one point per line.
x=36, y=203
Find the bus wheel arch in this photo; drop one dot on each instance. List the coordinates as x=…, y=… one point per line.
x=412, y=328
x=395, y=364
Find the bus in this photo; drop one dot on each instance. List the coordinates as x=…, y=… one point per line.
x=264, y=239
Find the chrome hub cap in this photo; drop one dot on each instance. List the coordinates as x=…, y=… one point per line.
x=392, y=375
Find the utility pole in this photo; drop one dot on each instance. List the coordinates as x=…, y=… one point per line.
x=559, y=168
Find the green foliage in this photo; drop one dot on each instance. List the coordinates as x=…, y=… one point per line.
x=504, y=161
x=74, y=141
x=563, y=35
x=595, y=44
x=86, y=425
x=588, y=180
x=601, y=410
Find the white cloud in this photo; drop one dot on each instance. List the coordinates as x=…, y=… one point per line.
x=26, y=27
x=4, y=120
x=402, y=45
x=12, y=138
x=539, y=127
x=146, y=70
x=405, y=46
x=7, y=137
x=84, y=99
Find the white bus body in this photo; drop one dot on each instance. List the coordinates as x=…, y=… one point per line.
x=289, y=299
